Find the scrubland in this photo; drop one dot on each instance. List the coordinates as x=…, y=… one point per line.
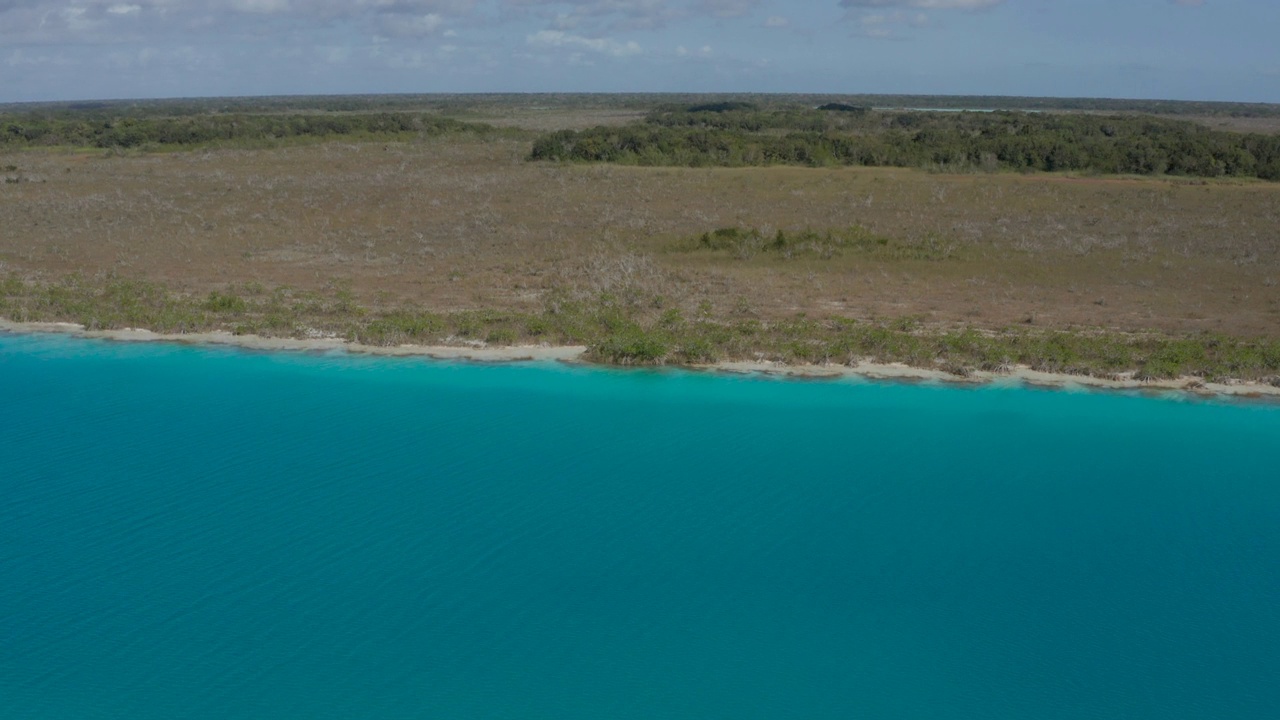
x=460, y=238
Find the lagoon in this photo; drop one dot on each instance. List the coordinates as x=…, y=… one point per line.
x=211, y=533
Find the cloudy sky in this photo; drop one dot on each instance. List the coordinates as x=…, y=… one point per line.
x=1183, y=49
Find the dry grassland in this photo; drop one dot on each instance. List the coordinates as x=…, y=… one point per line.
x=458, y=223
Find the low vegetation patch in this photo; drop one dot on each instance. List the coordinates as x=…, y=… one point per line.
x=744, y=243
x=633, y=334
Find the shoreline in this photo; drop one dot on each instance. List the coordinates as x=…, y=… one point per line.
x=574, y=354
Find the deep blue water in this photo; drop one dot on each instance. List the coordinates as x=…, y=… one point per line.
x=211, y=533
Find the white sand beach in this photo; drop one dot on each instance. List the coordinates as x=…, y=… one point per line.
x=1017, y=375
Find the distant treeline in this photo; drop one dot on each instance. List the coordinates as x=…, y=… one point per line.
x=1054, y=104
x=486, y=102
x=850, y=135
x=83, y=129
x=280, y=105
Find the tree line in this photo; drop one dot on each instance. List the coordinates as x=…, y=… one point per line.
x=743, y=136
x=108, y=131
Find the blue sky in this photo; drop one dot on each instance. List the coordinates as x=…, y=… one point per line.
x=1181, y=49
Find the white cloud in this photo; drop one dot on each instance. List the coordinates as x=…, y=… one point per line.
x=43, y=22
x=264, y=7
x=18, y=58
x=884, y=18
x=725, y=9
x=562, y=39
x=76, y=18
x=412, y=26
x=703, y=52
x=776, y=21
x=923, y=4
x=881, y=25
x=598, y=15
x=337, y=55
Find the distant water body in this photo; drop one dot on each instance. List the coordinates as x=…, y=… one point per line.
x=211, y=533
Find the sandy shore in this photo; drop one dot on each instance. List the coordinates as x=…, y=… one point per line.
x=257, y=342
x=1017, y=375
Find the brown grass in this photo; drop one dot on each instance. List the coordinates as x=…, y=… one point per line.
x=458, y=223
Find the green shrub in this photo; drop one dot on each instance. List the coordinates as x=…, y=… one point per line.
x=501, y=336
x=403, y=326
x=225, y=304
x=630, y=345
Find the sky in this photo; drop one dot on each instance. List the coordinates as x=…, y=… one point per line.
x=1170, y=49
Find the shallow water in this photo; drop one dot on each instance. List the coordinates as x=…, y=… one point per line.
x=212, y=533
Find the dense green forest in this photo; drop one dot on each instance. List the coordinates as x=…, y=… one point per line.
x=95, y=128
x=708, y=130
x=740, y=134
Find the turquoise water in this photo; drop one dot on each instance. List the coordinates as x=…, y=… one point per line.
x=210, y=533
